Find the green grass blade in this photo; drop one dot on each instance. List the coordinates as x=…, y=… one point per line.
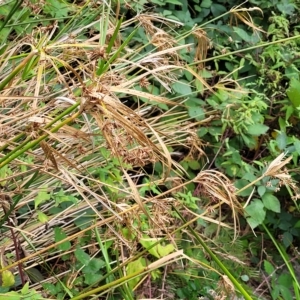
x=237, y=285
x=284, y=256
x=11, y=13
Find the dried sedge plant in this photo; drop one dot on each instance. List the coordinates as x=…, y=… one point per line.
x=219, y=191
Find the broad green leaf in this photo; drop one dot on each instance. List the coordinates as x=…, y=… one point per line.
x=94, y=265
x=25, y=288
x=42, y=196
x=35, y=275
x=11, y=296
x=176, y=2
x=285, y=292
x=82, y=256
x=57, y=8
x=206, y=3
x=42, y=217
x=135, y=267
x=261, y=190
x=91, y=278
x=293, y=92
x=287, y=239
x=8, y=278
x=281, y=140
x=194, y=164
x=271, y=202
x=257, y=129
x=241, y=183
x=158, y=251
x=268, y=267
x=245, y=278
x=242, y=34
x=297, y=146
x=182, y=87
x=255, y=213
x=60, y=235
x=218, y=9
x=196, y=112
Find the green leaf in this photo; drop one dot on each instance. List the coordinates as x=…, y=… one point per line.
x=293, y=92
x=194, y=165
x=41, y=197
x=82, y=257
x=158, y=251
x=60, y=235
x=8, y=278
x=261, y=190
x=196, y=112
x=285, y=292
x=271, y=202
x=35, y=275
x=281, y=140
x=25, y=288
x=268, y=267
x=206, y=3
x=242, y=34
x=255, y=213
x=56, y=8
x=176, y=2
x=297, y=146
x=182, y=87
x=287, y=239
x=91, y=278
x=11, y=296
x=93, y=266
x=245, y=278
x=42, y=217
x=135, y=267
x=218, y=9
x=257, y=129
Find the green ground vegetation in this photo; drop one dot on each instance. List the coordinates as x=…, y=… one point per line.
x=149, y=149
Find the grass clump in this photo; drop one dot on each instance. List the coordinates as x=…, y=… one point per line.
x=135, y=153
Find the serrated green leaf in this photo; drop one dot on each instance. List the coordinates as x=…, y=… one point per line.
x=135, y=267
x=93, y=266
x=293, y=92
x=271, y=202
x=82, y=256
x=60, y=235
x=57, y=8
x=268, y=267
x=255, y=213
x=158, y=251
x=8, y=278
x=196, y=112
x=42, y=196
x=257, y=129
x=182, y=87
x=42, y=217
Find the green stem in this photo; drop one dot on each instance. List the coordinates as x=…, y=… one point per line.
x=217, y=261
x=11, y=156
x=18, y=137
x=5, y=81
